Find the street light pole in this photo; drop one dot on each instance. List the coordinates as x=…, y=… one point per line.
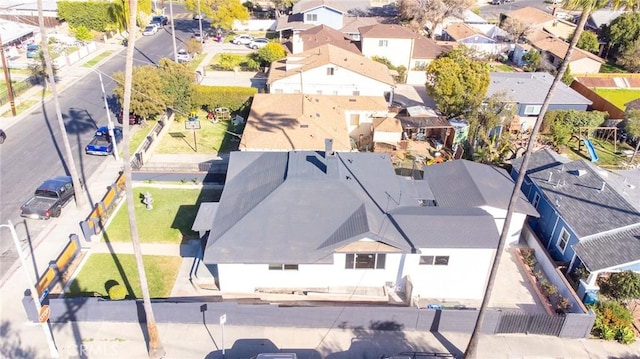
x=173, y=32
x=32, y=288
x=110, y=123
x=200, y=23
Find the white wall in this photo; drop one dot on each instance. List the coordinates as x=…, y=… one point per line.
x=392, y=138
x=515, y=228
x=463, y=278
x=244, y=278
x=344, y=82
x=398, y=51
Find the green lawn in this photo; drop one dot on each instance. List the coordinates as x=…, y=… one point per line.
x=170, y=220
x=102, y=270
x=502, y=68
x=607, y=157
x=195, y=63
x=139, y=134
x=210, y=138
x=96, y=59
x=611, y=67
x=618, y=97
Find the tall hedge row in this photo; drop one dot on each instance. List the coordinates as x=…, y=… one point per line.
x=231, y=97
x=96, y=16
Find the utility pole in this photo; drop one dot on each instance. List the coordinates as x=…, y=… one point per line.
x=110, y=123
x=173, y=32
x=7, y=79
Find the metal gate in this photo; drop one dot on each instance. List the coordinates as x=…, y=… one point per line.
x=517, y=322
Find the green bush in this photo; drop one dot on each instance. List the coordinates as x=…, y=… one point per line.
x=613, y=321
x=117, y=292
x=529, y=257
x=230, y=61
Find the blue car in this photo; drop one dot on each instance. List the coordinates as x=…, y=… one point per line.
x=101, y=144
x=33, y=51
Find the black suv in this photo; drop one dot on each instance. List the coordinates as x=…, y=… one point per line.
x=160, y=20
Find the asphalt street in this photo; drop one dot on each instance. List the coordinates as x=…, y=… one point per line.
x=36, y=150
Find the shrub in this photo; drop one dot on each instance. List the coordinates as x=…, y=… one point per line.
x=563, y=305
x=231, y=97
x=117, y=292
x=528, y=254
x=548, y=289
x=613, y=321
x=625, y=335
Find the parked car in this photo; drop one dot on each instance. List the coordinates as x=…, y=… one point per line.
x=33, y=51
x=133, y=119
x=198, y=37
x=3, y=136
x=159, y=20
x=49, y=198
x=150, y=30
x=258, y=43
x=199, y=16
x=242, y=40
x=183, y=56
x=101, y=144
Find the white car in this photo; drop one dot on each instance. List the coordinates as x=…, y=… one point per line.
x=183, y=56
x=150, y=30
x=258, y=43
x=242, y=40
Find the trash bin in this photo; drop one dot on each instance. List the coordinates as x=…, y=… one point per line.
x=590, y=298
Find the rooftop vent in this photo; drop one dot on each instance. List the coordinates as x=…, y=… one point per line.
x=580, y=173
x=304, y=126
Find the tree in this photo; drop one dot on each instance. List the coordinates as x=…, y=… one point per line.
x=567, y=78
x=272, y=51
x=221, y=12
x=494, y=111
x=193, y=46
x=630, y=58
x=589, y=42
x=38, y=69
x=632, y=126
x=148, y=97
x=515, y=28
x=623, y=32
x=532, y=60
x=457, y=82
x=48, y=66
x=586, y=7
x=155, y=346
x=622, y=286
x=177, y=79
x=419, y=13
x=281, y=6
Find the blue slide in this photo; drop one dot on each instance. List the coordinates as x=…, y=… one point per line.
x=591, y=150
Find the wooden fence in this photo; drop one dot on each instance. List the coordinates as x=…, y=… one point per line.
x=97, y=219
x=53, y=274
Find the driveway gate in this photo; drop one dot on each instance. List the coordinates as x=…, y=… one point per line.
x=541, y=323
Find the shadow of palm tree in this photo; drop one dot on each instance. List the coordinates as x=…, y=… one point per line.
x=11, y=345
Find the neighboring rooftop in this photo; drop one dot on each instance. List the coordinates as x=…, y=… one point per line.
x=610, y=250
x=547, y=42
x=531, y=16
x=582, y=195
x=321, y=35
x=532, y=88
x=460, y=31
x=603, y=17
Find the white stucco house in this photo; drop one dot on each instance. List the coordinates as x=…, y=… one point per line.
x=329, y=70
x=304, y=222
x=401, y=46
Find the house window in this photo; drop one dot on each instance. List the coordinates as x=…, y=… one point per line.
x=356, y=93
x=283, y=267
x=420, y=65
x=532, y=109
x=536, y=200
x=330, y=71
x=383, y=43
x=563, y=240
x=434, y=260
x=319, y=92
x=278, y=91
x=365, y=261
x=354, y=120
x=355, y=37
x=312, y=17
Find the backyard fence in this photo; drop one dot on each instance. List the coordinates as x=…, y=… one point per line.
x=598, y=103
x=142, y=153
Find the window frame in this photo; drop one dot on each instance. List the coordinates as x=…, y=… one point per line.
x=311, y=17
x=354, y=119
x=434, y=260
x=536, y=200
x=351, y=261
x=331, y=71
x=383, y=43
x=283, y=267
x=532, y=110
x=561, y=238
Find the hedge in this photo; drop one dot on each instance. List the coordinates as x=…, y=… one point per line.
x=97, y=15
x=231, y=97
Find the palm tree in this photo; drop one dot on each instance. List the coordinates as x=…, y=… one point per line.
x=155, y=346
x=586, y=7
x=79, y=192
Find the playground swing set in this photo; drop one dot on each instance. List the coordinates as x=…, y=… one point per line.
x=605, y=133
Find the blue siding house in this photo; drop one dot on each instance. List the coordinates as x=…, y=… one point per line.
x=589, y=217
x=527, y=91
x=309, y=13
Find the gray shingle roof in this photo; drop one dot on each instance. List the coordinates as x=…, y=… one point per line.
x=610, y=250
x=463, y=183
x=532, y=88
x=204, y=217
x=576, y=189
x=299, y=207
